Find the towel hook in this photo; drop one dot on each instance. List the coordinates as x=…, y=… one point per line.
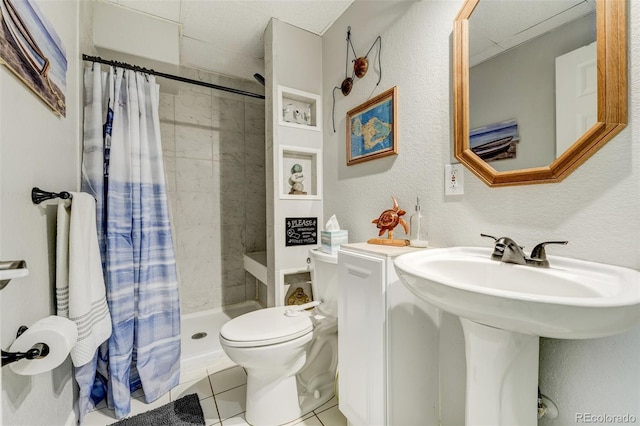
x=38, y=195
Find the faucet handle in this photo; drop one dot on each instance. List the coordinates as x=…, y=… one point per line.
x=498, y=251
x=539, y=254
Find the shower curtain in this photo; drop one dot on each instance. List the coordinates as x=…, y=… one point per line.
x=122, y=168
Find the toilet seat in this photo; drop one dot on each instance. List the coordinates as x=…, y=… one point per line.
x=265, y=327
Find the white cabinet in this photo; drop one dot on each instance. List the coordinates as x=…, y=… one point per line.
x=361, y=338
x=387, y=342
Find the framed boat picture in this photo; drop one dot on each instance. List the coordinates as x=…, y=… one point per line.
x=496, y=141
x=372, y=128
x=33, y=51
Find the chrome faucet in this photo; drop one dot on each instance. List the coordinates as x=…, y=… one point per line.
x=508, y=251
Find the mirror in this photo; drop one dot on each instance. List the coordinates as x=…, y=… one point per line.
x=512, y=123
x=522, y=56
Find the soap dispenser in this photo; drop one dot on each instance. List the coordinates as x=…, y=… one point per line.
x=418, y=228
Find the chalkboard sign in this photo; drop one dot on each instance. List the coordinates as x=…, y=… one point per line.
x=301, y=231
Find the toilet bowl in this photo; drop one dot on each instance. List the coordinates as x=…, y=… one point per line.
x=289, y=353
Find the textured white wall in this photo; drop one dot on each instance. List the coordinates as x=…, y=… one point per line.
x=135, y=31
x=597, y=208
x=37, y=149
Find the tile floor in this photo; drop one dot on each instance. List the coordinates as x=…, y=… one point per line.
x=222, y=396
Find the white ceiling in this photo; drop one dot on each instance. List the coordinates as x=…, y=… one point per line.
x=227, y=35
x=496, y=26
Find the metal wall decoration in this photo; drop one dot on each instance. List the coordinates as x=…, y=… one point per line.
x=359, y=69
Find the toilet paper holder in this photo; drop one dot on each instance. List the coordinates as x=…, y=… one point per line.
x=39, y=350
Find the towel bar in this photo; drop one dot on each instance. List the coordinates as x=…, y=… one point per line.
x=11, y=269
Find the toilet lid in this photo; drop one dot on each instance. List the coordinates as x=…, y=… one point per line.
x=265, y=327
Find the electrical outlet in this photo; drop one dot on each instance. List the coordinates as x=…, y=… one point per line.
x=453, y=179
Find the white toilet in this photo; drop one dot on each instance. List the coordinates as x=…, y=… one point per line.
x=290, y=354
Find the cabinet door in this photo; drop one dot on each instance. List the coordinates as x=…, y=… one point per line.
x=361, y=311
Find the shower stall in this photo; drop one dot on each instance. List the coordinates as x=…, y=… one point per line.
x=214, y=156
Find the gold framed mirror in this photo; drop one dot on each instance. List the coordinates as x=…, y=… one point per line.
x=611, y=92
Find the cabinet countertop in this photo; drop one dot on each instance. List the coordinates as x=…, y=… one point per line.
x=378, y=250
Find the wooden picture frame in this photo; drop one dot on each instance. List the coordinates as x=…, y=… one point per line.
x=372, y=128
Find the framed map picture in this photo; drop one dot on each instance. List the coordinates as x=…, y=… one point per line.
x=372, y=128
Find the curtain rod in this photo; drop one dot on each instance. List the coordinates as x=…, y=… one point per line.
x=170, y=76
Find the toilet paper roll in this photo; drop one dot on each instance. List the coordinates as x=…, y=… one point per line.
x=58, y=333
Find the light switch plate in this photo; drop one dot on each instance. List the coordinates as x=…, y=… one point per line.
x=453, y=179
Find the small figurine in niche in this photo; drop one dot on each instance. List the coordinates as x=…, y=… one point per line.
x=387, y=221
x=296, y=179
x=287, y=113
x=307, y=116
x=298, y=297
x=292, y=114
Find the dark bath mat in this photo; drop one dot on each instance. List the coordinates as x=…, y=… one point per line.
x=185, y=411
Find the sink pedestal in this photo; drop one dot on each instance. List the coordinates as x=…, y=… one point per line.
x=502, y=376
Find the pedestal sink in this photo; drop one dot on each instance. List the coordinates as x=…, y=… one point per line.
x=504, y=308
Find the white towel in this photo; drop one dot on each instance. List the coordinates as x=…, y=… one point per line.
x=80, y=289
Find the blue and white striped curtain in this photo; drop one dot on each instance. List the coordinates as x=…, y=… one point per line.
x=122, y=168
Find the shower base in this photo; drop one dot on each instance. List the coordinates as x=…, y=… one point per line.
x=204, y=352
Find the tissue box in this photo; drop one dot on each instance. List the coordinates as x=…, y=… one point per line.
x=331, y=240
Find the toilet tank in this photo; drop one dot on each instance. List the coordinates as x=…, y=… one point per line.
x=324, y=280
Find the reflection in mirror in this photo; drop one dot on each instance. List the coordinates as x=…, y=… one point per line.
x=516, y=49
x=510, y=98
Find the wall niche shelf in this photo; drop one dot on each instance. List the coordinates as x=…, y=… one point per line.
x=290, y=280
x=300, y=173
x=298, y=109
x=294, y=281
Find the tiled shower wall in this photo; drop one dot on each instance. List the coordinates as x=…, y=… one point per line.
x=213, y=145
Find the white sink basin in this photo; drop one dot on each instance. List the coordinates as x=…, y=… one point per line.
x=572, y=299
